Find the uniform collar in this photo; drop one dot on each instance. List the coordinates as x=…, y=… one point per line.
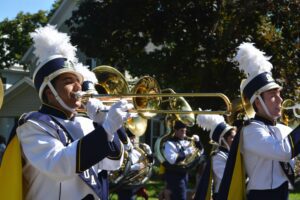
x=47, y=109
x=223, y=149
x=176, y=139
x=264, y=120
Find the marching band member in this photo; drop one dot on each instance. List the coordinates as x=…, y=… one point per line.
x=222, y=135
x=130, y=192
x=176, y=149
x=66, y=156
x=267, y=147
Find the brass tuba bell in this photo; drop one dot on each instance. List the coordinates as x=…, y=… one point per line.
x=111, y=81
x=179, y=103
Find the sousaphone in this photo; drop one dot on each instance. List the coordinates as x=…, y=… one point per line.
x=188, y=119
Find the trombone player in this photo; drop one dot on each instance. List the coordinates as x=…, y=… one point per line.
x=66, y=156
x=267, y=146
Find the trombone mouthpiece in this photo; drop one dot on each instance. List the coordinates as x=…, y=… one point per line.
x=78, y=95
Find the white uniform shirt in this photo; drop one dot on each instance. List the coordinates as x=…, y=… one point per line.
x=172, y=149
x=50, y=166
x=262, y=153
x=218, y=164
x=134, y=156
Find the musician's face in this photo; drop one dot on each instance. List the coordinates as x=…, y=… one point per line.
x=65, y=85
x=180, y=133
x=273, y=100
x=230, y=137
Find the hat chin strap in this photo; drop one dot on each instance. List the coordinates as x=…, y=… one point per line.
x=226, y=144
x=60, y=101
x=265, y=107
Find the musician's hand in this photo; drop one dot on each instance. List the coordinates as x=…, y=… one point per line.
x=116, y=117
x=196, y=138
x=148, y=149
x=137, y=166
x=188, y=151
x=197, y=141
x=96, y=110
x=142, y=165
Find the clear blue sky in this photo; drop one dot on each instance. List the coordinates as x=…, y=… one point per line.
x=10, y=8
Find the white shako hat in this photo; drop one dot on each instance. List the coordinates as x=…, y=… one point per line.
x=89, y=78
x=55, y=55
x=257, y=68
x=215, y=124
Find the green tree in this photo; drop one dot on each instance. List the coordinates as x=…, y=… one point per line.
x=14, y=35
x=192, y=41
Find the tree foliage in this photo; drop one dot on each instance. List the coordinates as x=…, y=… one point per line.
x=14, y=35
x=192, y=41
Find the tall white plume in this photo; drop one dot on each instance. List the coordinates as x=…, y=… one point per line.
x=48, y=42
x=209, y=122
x=251, y=60
x=86, y=73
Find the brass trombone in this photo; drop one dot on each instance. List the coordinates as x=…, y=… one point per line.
x=114, y=97
x=146, y=97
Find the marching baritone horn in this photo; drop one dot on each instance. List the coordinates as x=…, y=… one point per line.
x=290, y=113
x=125, y=177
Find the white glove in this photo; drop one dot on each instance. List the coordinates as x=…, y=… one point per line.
x=195, y=138
x=96, y=110
x=188, y=151
x=137, y=166
x=116, y=117
x=147, y=149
